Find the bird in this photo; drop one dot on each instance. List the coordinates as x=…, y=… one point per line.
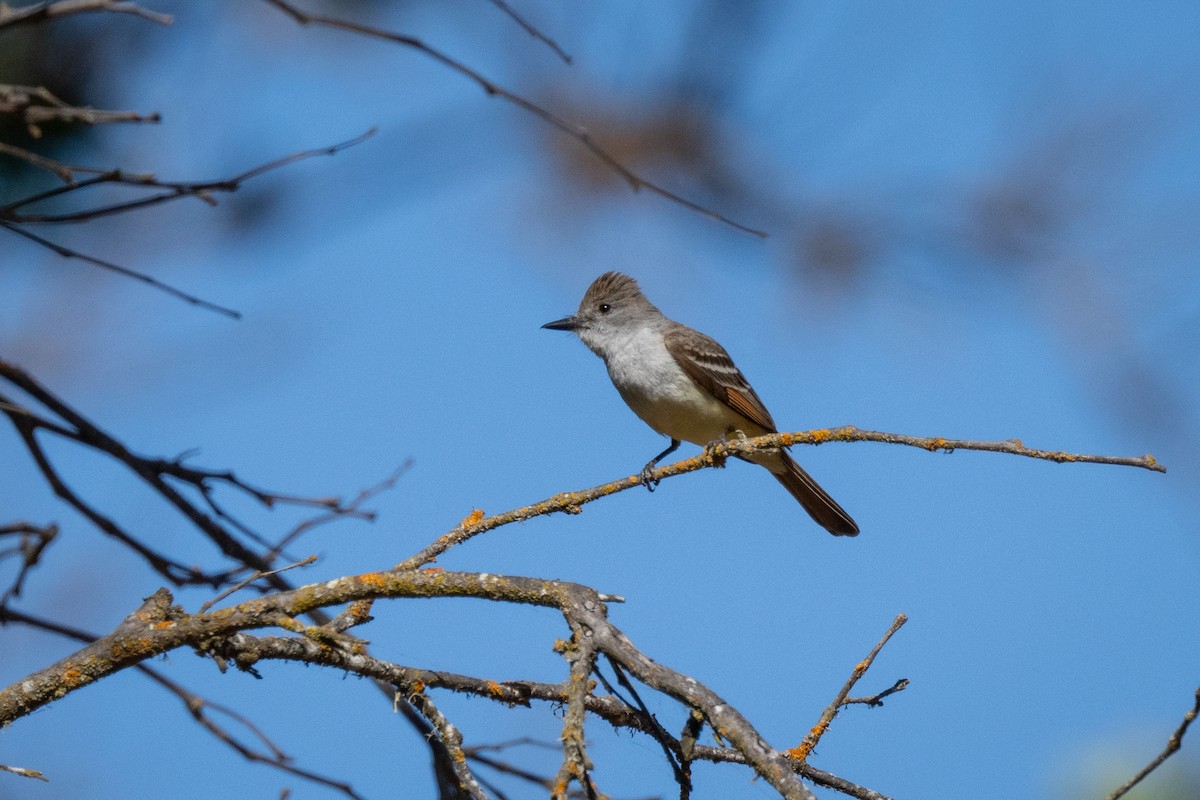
x=685, y=386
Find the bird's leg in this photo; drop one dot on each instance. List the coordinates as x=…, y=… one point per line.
x=648, y=479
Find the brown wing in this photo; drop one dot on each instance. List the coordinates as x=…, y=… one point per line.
x=710, y=366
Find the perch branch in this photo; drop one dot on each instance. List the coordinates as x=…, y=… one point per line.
x=715, y=455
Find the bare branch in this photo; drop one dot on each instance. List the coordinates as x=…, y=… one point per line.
x=174, y=190
x=805, y=748
x=196, y=706
x=876, y=700
x=577, y=132
x=531, y=30
x=37, y=104
x=63, y=172
x=172, y=480
x=24, y=773
x=41, y=12
x=270, y=753
x=67, y=252
x=1173, y=745
x=242, y=584
x=11, y=220
x=34, y=539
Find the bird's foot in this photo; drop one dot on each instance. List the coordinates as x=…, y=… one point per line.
x=649, y=480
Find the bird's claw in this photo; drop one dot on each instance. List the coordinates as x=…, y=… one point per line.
x=648, y=478
x=710, y=452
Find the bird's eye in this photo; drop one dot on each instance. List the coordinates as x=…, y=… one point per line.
x=605, y=308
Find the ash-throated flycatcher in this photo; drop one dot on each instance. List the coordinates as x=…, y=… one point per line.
x=685, y=386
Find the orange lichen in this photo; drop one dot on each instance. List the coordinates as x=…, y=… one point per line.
x=374, y=580
x=496, y=689
x=72, y=678
x=822, y=435
x=472, y=519
x=433, y=570
x=126, y=648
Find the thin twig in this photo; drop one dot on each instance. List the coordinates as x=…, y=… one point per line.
x=651, y=725
x=12, y=221
x=805, y=748
x=876, y=700
x=67, y=252
x=24, y=773
x=531, y=30
x=175, y=190
x=271, y=754
x=33, y=542
x=39, y=12
x=63, y=172
x=1173, y=744
x=237, y=587
x=577, y=132
x=37, y=104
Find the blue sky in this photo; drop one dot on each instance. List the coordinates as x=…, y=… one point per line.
x=393, y=296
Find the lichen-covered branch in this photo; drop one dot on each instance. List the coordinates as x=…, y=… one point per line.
x=716, y=454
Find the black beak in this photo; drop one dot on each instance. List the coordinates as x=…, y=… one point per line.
x=564, y=324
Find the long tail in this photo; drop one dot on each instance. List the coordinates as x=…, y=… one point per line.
x=819, y=505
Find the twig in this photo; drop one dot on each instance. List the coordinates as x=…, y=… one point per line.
x=37, y=104
x=237, y=587
x=805, y=748
x=63, y=172
x=12, y=221
x=38, y=12
x=271, y=754
x=577, y=132
x=876, y=700
x=67, y=252
x=343, y=510
x=531, y=30
x=24, y=773
x=33, y=542
x=671, y=749
x=452, y=740
x=175, y=190
x=1173, y=745
x=849, y=433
